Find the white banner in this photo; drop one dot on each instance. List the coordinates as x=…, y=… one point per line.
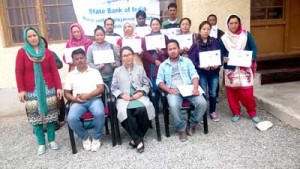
x=91, y=13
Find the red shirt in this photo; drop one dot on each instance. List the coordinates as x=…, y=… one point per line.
x=25, y=72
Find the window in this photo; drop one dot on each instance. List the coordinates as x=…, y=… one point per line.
x=52, y=17
x=267, y=9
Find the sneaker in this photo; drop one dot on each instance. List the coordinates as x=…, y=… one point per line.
x=41, y=149
x=191, y=130
x=255, y=119
x=214, y=117
x=53, y=145
x=87, y=144
x=235, y=118
x=182, y=136
x=95, y=145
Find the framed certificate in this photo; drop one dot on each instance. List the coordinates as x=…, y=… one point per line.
x=142, y=31
x=68, y=53
x=112, y=39
x=103, y=56
x=210, y=58
x=155, y=41
x=184, y=40
x=214, y=31
x=240, y=58
x=135, y=44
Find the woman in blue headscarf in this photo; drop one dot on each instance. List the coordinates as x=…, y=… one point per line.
x=39, y=86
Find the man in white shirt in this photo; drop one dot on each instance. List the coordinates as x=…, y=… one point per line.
x=82, y=87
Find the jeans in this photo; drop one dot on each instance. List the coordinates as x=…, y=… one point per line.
x=209, y=81
x=175, y=103
x=95, y=106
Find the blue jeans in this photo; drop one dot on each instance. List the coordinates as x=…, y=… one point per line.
x=175, y=103
x=209, y=81
x=95, y=106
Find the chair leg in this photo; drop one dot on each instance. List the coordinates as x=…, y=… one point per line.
x=157, y=127
x=116, y=122
x=113, y=133
x=72, y=140
x=166, y=118
x=106, y=126
x=205, y=125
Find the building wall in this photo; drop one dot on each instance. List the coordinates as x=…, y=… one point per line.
x=196, y=10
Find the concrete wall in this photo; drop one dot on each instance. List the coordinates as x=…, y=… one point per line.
x=198, y=10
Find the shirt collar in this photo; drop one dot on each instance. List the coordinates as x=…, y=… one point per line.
x=168, y=61
x=77, y=72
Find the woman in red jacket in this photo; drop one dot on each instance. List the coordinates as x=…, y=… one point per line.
x=39, y=86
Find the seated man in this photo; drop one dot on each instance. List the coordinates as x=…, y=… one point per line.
x=176, y=71
x=82, y=87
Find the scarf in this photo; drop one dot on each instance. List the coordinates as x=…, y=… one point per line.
x=133, y=35
x=37, y=58
x=84, y=41
x=236, y=40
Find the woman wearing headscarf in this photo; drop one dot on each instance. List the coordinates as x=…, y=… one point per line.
x=129, y=33
x=238, y=80
x=39, y=86
x=77, y=38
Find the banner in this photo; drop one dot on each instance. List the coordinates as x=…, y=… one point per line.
x=91, y=13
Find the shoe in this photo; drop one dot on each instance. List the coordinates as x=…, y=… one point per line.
x=41, y=149
x=132, y=144
x=191, y=130
x=141, y=149
x=255, y=119
x=235, y=118
x=53, y=145
x=96, y=145
x=214, y=117
x=87, y=144
x=182, y=136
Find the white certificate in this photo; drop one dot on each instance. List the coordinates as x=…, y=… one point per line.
x=187, y=90
x=155, y=41
x=184, y=40
x=240, y=58
x=142, y=31
x=171, y=32
x=210, y=58
x=135, y=44
x=214, y=31
x=112, y=39
x=103, y=56
x=68, y=53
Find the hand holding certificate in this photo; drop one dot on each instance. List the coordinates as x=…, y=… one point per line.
x=155, y=42
x=185, y=41
x=210, y=58
x=240, y=58
x=135, y=44
x=103, y=56
x=68, y=53
x=187, y=90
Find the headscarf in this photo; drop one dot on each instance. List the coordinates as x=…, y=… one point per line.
x=236, y=40
x=84, y=41
x=37, y=58
x=133, y=28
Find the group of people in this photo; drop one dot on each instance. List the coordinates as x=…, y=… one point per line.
x=130, y=78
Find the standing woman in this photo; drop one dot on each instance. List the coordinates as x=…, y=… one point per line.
x=185, y=29
x=153, y=58
x=77, y=38
x=209, y=76
x=106, y=69
x=129, y=33
x=238, y=80
x=130, y=86
x=39, y=86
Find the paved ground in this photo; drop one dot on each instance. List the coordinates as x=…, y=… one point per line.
x=228, y=145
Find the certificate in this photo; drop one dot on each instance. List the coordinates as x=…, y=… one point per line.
x=210, y=58
x=135, y=44
x=185, y=41
x=155, y=41
x=142, y=31
x=103, y=56
x=187, y=90
x=240, y=58
x=214, y=31
x=171, y=32
x=68, y=53
x=112, y=39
